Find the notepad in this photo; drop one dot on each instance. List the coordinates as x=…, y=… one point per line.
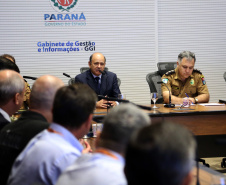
x=212, y=104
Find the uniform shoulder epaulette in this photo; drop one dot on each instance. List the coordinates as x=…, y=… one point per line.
x=169, y=72
x=198, y=71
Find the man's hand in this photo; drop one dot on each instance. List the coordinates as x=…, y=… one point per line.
x=87, y=147
x=113, y=103
x=191, y=101
x=102, y=104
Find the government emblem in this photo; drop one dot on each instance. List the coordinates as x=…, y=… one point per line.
x=64, y=6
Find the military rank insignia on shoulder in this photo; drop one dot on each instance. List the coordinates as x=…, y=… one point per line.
x=203, y=80
x=170, y=72
x=198, y=71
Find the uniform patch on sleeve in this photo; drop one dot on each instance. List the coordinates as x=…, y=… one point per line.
x=165, y=80
x=192, y=81
x=203, y=80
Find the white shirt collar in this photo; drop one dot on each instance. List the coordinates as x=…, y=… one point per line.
x=5, y=115
x=97, y=76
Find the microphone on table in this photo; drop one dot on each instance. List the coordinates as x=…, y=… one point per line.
x=66, y=75
x=30, y=77
x=102, y=72
x=169, y=105
x=124, y=101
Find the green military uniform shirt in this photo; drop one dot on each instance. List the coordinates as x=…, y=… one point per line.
x=194, y=85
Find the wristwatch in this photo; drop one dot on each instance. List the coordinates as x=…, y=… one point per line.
x=196, y=100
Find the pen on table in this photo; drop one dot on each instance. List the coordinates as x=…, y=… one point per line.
x=188, y=97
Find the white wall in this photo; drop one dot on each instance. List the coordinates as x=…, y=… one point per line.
x=133, y=35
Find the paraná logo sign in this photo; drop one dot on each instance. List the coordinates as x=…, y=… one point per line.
x=64, y=6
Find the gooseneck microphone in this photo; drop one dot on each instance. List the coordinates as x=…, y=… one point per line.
x=124, y=101
x=66, y=75
x=167, y=105
x=30, y=77
x=102, y=72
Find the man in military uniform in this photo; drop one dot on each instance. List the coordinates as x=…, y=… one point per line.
x=185, y=81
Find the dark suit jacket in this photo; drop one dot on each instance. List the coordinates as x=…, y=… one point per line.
x=3, y=121
x=15, y=136
x=109, y=83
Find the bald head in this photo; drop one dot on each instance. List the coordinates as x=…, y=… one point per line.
x=97, y=62
x=11, y=83
x=43, y=92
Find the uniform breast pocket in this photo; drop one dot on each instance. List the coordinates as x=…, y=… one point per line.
x=192, y=91
x=175, y=91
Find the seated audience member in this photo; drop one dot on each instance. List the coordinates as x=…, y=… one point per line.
x=27, y=87
x=161, y=154
x=12, y=90
x=106, y=165
x=7, y=64
x=185, y=81
x=102, y=82
x=15, y=136
x=50, y=152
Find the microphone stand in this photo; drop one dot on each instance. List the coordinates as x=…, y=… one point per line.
x=123, y=101
x=170, y=105
x=30, y=77
x=70, y=81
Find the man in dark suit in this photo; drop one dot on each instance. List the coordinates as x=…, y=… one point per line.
x=12, y=88
x=15, y=136
x=102, y=82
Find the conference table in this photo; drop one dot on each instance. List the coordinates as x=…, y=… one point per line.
x=207, y=123
x=201, y=120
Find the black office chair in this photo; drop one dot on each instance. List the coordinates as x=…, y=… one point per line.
x=71, y=81
x=225, y=76
x=154, y=77
x=83, y=69
x=164, y=67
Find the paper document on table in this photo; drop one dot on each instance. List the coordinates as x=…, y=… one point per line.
x=212, y=104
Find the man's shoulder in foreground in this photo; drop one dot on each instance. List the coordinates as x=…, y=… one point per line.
x=101, y=170
x=46, y=156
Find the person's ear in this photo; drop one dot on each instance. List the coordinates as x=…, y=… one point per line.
x=89, y=63
x=17, y=98
x=89, y=121
x=188, y=179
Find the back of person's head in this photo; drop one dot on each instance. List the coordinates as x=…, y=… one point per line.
x=43, y=92
x=73, y=105
x=10, y=83
x=119, y=124
x=162, y=153
x=8, y=64
x=10, y=57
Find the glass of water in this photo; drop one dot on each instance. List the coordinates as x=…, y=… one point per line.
x=154, y=97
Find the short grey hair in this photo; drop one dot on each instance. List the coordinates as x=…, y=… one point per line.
x=10, y=86
x=119, y=124
x=186, y=54
x=154, y=148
